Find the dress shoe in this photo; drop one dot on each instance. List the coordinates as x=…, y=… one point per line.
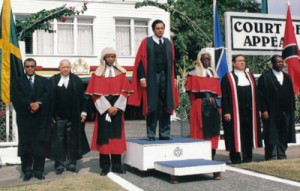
x=217, y=175
x=27, y=177
x=59, y=171
x=165, y=138
x=118, y=170
x=72, y=169
x=151, y=139
x=104, y=171
x=39, y=176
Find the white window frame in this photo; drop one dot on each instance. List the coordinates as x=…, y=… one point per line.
x=75, y=41
x=132, y=26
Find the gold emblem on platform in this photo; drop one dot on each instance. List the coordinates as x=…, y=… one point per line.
x=80, y=67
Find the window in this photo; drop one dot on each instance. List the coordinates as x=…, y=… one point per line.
x=129, y=34
x=72, y=37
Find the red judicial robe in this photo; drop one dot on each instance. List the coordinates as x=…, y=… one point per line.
x=101, y=86
x=141, y=93
x=196, y=85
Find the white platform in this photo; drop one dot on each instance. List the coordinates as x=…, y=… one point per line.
x=142, y=154
x=190, y=167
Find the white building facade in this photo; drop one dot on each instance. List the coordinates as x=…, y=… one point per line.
x=113, y=23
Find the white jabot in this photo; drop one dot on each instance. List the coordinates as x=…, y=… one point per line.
x=279, y=76
x=207, y=71
x=64, y=80
x=156, y=39
x=242, y=79
x=110, y=69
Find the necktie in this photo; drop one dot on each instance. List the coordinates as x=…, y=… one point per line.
x=31, y=82
x=160, y=42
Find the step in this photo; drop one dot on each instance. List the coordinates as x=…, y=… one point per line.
x=142, y=154
x=190, y=167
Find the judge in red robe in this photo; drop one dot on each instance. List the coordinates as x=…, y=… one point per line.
x=153, y=81
x=109, y=88
x=204, y=89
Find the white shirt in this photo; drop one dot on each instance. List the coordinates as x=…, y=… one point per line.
x=64, y=80
x=207, y=71
x=156, y=39
x=279, y=76
x=243, y=80
x=110, y=69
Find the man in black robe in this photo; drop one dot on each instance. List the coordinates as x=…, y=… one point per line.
x=30, y=100
x=278, y=110
x=240, y=115
x=68, y=110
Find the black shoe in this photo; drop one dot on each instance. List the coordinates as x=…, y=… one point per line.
x=39, y=176
x=165, y=138
x=27, y=177
x=59, y=171
x=104, y=171
x=73, y=169
x=151, y=139
x=118, y=170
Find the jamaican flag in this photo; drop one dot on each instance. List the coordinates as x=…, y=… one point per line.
x=10, y=57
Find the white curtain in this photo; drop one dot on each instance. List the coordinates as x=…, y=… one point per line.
x=45, y=42
x=85, y=40
x=139, y=34
x=123, y=41
x=65, y=39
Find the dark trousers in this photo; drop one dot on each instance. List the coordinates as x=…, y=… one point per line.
x=246, y=138
x=32, y=164
x=107, y=161
x=160, y=113
x=277, y=151
x=64, y=144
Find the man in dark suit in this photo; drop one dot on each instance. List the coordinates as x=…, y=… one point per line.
x=30, y=100
x=68, y=109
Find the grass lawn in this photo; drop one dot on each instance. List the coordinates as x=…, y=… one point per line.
x=287, y=169
x=79, y=182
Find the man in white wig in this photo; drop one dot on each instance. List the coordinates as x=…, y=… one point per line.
x=204, y=89
x=109, y=88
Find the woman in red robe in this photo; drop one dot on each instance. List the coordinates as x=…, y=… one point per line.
x=204, y=89
x=109, y=88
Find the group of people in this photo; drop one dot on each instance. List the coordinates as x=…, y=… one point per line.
x=51, y=113
x=245, y=104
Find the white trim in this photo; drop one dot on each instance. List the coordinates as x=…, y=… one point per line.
x=267, y=177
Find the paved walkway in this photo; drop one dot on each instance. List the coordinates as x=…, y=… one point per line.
x=11, y=174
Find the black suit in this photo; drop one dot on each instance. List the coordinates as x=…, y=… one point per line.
x=33, y=128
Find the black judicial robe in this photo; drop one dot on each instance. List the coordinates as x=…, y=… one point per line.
x=79, y=144
x=268, y=91
x=33, y=128
x=230, y=105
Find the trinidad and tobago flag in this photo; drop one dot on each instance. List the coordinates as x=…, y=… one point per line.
x=291, y=52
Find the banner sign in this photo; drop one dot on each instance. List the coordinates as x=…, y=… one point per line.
x=249, y=33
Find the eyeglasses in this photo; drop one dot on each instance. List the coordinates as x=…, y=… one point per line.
x=29, y=66
x=205, y=58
